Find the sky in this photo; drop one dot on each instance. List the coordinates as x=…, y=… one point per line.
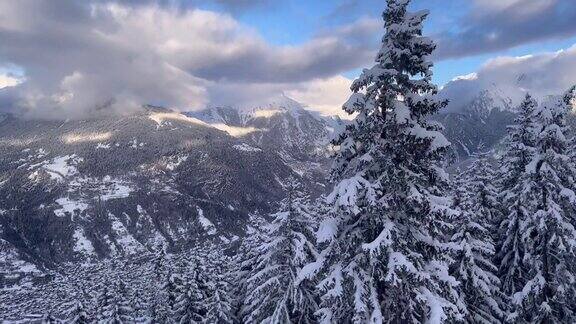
x=76, y=58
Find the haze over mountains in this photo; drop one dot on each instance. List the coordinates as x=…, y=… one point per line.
x=183, y=177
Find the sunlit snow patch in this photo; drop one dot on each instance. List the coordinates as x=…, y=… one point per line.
x=63, y=166
x=205, y=222
x=266, y=113
x=73, y=138
x=175, y=161
x=69, y=206
x=128, y=243
x=106, y=188
x=82, y=244
x=163, y=119
x=246, y=148
x=115, y=189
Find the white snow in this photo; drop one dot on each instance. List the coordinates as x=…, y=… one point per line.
x=346, y=193
x=116, y=190
x=266, y=113
x=105, y=188
x=162, y=119
x=205, y=222
x=235, y=131
x=175, y=162
x=224, y=239
x=69, y=206
x=63, y=166
x=246, y=148
x=82, y=244
x=383, y=240
x=568, y=194
x=102, y=146
x=128, y=243
x=86, y=137
x=135, y=144
x=327, y=230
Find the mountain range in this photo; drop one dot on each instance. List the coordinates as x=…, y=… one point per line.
x=96, y=188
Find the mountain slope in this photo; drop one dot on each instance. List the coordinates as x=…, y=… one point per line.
x=475, y=123
x=105, y=187
x=283, y=126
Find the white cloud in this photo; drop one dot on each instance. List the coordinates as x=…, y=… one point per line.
x=83, y=57
x=541, y=75
x=324, y=95
x=8, y=81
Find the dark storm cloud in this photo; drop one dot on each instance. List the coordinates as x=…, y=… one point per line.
x=499, y=25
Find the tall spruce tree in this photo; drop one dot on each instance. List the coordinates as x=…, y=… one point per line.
x=519, y=144
x=162, y=304
x=275, y=294
x=190, y=305
x=113, y=304
x=220, y=304
x=548, y=287
x=77, y=314
x=473, y=267
x=384, y=251
x=518, y=153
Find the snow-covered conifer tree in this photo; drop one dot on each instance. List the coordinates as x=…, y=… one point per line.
x=547, y=288
x=220, y=304
x=190, y=305
x=473, y=267
x=113, y=304
x=77, y=313
x=519, y=150
x=481, y=182
x=172, y=288
x=246, y=259
x=274, y=293
x=164, y=298
x=384, y=256
x=48, y=318
x=519, y=143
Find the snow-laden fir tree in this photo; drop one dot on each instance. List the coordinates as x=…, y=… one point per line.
x=246, y=259
x=518, y=153
x=190, y=305
x=548, y=235
x=164, y=298
x=113, y=304
x=519, y=143
x=220, y=303
x=385, y=256
x=48, y=318
x=173, y=286
x=482, y=184
x=77, y=313
x=473, y=267
x=274, y=292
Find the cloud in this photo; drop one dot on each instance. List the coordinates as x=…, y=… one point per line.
x=541, y=75
x=343, y=10
x=241, y=5
x=83, y=57
x=324, y=95
x=8, y=81
x=494, y=25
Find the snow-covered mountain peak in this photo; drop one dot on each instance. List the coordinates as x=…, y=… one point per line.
x=465, y=97
x=281, y=104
